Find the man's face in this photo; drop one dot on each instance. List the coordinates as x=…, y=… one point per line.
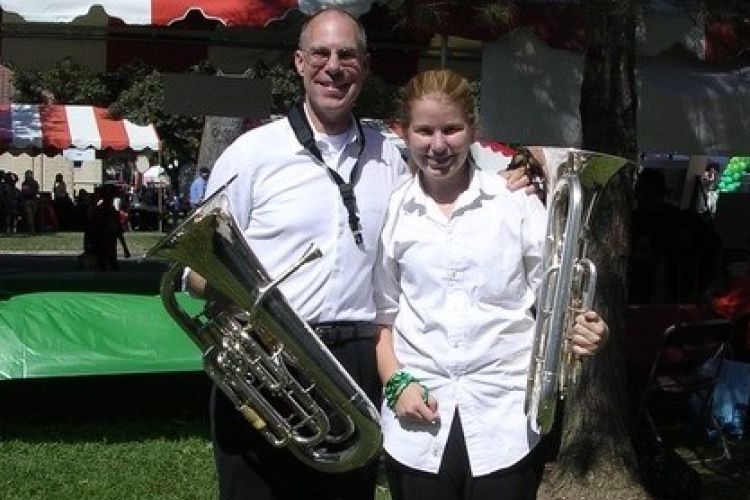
x=332, y=67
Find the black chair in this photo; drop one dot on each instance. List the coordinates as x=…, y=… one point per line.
x=684, y=374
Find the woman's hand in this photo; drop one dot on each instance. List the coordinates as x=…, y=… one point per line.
x=411, y=405
x=589, y=333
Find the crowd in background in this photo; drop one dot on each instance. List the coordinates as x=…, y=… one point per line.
x=24, y=208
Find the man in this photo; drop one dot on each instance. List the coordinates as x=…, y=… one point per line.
x=291, y=189
x=198, y=187
x=285, y=196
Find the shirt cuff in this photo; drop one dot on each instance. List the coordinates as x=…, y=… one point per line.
x=385, y=317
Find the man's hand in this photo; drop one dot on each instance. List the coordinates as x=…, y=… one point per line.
x=526, y=170
x=517, y=179
x=589, y=333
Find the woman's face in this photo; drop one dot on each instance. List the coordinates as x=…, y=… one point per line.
x=439, y=137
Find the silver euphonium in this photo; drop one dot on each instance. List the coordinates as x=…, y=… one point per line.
x=260, y=353
x=569, y=282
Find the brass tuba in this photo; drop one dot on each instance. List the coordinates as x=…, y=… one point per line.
x=260, y=353
x=569, y=282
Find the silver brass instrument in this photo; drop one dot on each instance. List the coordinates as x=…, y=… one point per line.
x=260, y=353
x=569, y=281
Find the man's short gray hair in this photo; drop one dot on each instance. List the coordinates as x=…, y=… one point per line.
x=361, y=34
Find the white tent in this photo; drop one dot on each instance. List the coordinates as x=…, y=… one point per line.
x=531, y=95
x=156, y=175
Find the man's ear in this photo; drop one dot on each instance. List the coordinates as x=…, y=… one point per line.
x=299, y=62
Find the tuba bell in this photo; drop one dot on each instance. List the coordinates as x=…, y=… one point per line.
x=569, y=281
x=259, y=352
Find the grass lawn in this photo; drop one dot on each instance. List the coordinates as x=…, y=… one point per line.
x=138, y=242
x=118, y=438
x=108, y=438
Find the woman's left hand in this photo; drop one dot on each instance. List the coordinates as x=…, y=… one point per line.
x=589, y=333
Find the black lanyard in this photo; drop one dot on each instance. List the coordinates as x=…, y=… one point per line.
x=304, y=134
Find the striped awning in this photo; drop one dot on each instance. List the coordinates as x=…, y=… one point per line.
x=55, y=127
x=165, y=12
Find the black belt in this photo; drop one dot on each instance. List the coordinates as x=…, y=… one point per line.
x=334, y=332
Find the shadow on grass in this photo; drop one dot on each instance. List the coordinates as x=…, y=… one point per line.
x=108, y=408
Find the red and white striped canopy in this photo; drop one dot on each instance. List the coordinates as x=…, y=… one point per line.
x=165, y=12
x=58, y=127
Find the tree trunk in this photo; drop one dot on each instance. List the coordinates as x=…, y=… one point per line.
x=218, y=133
x=596, y=453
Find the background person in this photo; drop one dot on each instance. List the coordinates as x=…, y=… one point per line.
x=30, y=201
x=105, y=230
x=458, y=264
x=198, y=187
x=62, y=202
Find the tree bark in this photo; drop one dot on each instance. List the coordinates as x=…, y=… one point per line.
x=596, y=453
x=218, y=133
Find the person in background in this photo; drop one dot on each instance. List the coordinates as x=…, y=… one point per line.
x=3, y=204
x=13, y=202
x=198, y=187
x=105, y=230
x=30, y=201
x=459, y=261
x=62, y=202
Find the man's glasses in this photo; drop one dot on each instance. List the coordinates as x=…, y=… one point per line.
x=319, y=56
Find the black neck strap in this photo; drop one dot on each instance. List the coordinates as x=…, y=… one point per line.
x=304, y=134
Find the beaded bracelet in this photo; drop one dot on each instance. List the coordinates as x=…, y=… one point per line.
x=396, y=385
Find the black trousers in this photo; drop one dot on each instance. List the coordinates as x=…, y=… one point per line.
x=455, y=482
x=249, y=468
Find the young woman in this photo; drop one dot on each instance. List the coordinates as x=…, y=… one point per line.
x=459, y=261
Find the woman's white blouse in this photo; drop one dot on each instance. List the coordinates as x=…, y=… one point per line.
x=458, y=292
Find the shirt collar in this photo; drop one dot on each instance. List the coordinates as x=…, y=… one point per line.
x=352, y=131
x=480, y=186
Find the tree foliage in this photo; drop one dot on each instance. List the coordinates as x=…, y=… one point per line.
x=66, y=82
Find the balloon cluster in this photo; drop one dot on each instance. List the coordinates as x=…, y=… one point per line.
x=731, y=177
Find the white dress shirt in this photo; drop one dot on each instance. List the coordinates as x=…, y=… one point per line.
x=458, y=293
x=283, y=199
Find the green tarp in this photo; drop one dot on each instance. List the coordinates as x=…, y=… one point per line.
x=53, y=334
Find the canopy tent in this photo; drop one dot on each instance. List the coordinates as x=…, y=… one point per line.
x=56, y=127
x=165, y=12
x=685, y=106
x=156, y=175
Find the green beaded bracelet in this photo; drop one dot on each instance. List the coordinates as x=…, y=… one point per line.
x=396, y=385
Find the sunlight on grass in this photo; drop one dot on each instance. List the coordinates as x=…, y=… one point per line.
x=124, y=437
x=138, y=242
x=154, y=468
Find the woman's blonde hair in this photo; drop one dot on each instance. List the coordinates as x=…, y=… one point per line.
x=446, y=84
